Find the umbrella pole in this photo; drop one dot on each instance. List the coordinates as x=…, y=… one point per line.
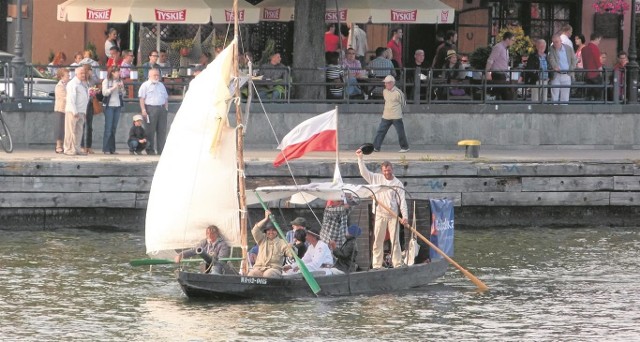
x=158, y=37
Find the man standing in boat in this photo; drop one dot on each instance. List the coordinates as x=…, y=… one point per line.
x=393, y=197
x=211, y=249
x=271, y=249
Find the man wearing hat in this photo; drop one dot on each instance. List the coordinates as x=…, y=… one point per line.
x=317, y=257
x=393, y=197
x=297, y=223
x=271, y=249
x=394, y=102
x=347, y=252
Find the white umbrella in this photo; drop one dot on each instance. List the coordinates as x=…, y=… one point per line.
x=367, y=11
x=156, y=11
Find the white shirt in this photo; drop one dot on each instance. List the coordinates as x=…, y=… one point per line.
x=316, y=256
x=77, y=96
x=565, y=40
x=389, y=197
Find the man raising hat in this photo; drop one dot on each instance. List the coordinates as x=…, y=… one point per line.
x=271, y=249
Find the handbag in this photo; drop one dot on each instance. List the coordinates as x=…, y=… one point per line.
x=97, y=106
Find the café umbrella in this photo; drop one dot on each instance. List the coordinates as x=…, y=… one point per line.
x=156, y=11
x=367, y=11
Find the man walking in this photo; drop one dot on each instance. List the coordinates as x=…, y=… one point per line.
x=393, y=197
x=498, y=65
x=154, y=104
x=593, y=65
x=394, y=101
x=75, y=112
x=562, y=60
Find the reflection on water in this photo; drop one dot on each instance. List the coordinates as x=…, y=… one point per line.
x=546, y=284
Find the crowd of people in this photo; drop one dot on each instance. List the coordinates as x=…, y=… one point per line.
x=84, y=90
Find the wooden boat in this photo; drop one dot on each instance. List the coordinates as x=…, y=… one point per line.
x=369, y=282
x=199, y=181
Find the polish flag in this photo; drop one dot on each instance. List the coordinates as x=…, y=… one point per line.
x=316, y=134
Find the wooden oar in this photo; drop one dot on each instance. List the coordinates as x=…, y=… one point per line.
x=145, y=262
x=313, y=284
x=481, y=286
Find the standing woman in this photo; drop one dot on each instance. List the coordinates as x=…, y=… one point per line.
x=112, y=90
x=59, y=111
x=112, y=40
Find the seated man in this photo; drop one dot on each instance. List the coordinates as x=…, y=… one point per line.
x=346, y=254
x=275, y=72
x=318, y=256
x=380, y=67
x=271, y=249
x=211, y=249
x=297, y=224
x=354, y=72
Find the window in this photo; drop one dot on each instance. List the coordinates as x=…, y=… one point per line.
x=539, y=19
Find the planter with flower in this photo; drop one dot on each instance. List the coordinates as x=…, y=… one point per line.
x=522, y=45
x=182, y=46
x=610, y=6
x=608, y=16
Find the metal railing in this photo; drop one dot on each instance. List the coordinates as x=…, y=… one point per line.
x=474, y=88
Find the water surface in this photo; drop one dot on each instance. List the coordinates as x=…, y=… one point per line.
x=545, y=284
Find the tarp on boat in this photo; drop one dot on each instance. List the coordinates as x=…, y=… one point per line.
x=306, y=193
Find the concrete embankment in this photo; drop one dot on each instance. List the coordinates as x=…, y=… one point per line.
x=517, y=188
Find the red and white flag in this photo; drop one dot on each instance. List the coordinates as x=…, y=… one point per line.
x=316, y=134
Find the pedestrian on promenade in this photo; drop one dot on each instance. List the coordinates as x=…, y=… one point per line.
x=498, y=65
x=393, y=197
x=59, y=108
x=593, y=66
x=154, y=104
x=75, y=111
x=113, y=92
x=394, y=102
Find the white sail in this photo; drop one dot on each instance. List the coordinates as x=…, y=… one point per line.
x=194, y=187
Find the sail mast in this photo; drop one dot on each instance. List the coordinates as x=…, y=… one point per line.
x=242, y=199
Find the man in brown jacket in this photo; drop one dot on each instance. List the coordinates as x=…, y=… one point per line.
x=271, y=250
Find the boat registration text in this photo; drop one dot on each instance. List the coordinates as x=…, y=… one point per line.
x=259, y=281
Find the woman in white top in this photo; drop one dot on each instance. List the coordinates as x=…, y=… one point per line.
x=113, y=91
x=112, y=40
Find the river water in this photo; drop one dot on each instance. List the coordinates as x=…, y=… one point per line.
x=545, y=284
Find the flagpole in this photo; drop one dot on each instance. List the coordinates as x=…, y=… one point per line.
x=336, y=171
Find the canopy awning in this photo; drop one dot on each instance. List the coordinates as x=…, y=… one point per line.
x=368, y=11
x=157, y=11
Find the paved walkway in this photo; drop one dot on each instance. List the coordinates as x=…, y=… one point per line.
x=486, y=155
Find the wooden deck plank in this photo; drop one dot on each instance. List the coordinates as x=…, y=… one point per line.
x=535, y=198
x=567, y=183
x=49, y=184
x=625, y=183
x=67, y=200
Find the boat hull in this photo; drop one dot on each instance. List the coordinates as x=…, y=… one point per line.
x=201, y=285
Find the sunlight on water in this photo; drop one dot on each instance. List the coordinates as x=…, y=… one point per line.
x=545, y=284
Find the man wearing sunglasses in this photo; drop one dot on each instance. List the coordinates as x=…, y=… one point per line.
x=152, y=63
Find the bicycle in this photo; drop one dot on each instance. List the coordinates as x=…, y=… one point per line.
x=5, y=135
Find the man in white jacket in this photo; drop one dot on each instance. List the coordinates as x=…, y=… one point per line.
x=392, y=197
x=75, y=112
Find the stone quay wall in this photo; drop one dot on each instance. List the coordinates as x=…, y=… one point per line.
x=113, y=193
x=439, y=126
